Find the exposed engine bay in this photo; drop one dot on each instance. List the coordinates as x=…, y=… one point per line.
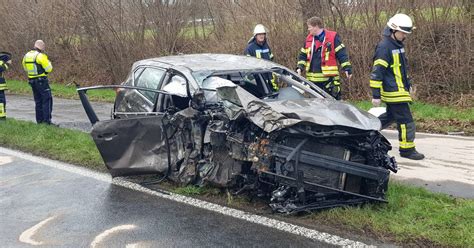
x=261, y=130
x=300, y=168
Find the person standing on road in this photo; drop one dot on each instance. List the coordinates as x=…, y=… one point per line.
x=319, y=57
x=5, y=62
x=258, y=47
x=390, y=83
x=37, y=66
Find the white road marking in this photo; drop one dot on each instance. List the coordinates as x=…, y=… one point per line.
x=5, y=160
x=99, y=238
x=134, y=245
x=26, y=236
x=142, y=244
x=253, y=218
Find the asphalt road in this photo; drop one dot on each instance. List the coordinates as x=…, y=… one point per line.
x=66, y=113
x=50, y=204
x=448, y=167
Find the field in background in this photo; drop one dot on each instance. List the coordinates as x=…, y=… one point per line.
x=97, y=41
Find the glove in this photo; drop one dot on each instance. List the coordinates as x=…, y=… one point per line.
x=334, y=89
x=376, y=102
x=348, y=74
x=336, y=92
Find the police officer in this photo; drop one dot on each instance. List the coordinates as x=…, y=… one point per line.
x=319, y=58
x=37, y=66
x=5, y=62
x=390, y=84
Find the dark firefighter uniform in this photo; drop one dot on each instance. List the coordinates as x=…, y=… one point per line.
x=389, y=82
x=4, y=58
x=319, y=57
x=37, y=66
x=258, y=51
x=262, y=51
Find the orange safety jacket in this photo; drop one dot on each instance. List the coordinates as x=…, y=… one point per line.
x=328, y=53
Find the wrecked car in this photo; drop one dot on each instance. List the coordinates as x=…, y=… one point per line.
x=246, y=124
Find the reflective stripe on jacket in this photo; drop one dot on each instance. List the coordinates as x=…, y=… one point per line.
x=3, y=67
x=258, y=51
x=36, y=64
x=389, y=79
x=320, y=55
x=262, y=51
x=328, y=54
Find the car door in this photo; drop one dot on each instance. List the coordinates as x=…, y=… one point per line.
x=134, y=142
x=132, y=146
x=130, y=101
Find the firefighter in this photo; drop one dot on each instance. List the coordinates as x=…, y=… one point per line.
x=5, y=62
x=390, y=83
x=258, y=47
x=37, y=66
x=319, y=57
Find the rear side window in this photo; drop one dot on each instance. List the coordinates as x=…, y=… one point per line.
x=148, y=78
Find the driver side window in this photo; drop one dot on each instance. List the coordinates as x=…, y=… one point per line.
x=148, y=78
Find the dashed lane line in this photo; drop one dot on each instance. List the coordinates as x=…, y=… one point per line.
x=99, y=238
x=253, y=218
x=27, y=236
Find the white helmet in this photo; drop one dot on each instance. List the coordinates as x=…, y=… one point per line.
x=401, y=22
x=40, y=45
x=259, y=29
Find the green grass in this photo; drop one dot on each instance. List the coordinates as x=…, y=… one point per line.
x=412, y=216
x=62, y=91
x=192, y=190
x=432, y=111
x=432, y=118
x=188, y=32
x=189, y=190
x=52, y=142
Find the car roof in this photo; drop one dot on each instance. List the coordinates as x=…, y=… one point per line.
x=210, y=62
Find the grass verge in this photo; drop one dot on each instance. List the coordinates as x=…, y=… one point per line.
x=52, y=142
x=433, y=118
x=413, y=215
x=62, y=91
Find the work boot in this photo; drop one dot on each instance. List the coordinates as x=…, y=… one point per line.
x=412, y=154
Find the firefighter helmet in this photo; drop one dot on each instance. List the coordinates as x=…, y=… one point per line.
x=40, y=45
x=259, y=29
x=401, y=22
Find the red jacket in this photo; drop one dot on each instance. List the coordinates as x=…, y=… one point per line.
x=328, y=53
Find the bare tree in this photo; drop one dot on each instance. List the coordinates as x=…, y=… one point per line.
x=95, y=41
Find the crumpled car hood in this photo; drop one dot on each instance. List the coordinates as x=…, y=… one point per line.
x=275, y=115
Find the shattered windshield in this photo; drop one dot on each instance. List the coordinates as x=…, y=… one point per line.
x=268, y=85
